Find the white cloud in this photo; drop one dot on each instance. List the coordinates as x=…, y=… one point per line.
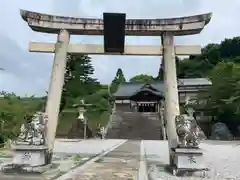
x=29, y=72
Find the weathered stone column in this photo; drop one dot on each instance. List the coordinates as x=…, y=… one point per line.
x=114, y=107
x=55, y=89
x=171, y=89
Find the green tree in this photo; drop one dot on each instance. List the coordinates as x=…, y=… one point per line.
x=212, y=54
x=161, y=70
x=223, y=97
x=78, y=80
x=141, y=78
x=118, y=79
x=194, y=68
x=14, y=110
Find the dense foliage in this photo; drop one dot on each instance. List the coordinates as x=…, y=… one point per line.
x=142, y=78
x=14, y=111
x=118, y=79
x=219, y=62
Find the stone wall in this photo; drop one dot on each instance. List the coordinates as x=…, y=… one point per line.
x=124, y=107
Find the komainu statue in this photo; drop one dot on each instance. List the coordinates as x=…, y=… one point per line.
x=188, y=131
x=33, y=133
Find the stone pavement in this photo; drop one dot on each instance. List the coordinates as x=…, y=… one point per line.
x=20, y=177
x=64, y=151
x=120, y=164
x=89, y=146
x=221, y=157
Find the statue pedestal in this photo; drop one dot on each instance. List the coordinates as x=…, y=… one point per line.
x=188, y=160
x=29, y=155
x=27, y=158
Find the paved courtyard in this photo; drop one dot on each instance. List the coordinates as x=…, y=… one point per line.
x=222, y=158
x=120, y=164
x=92, y=146
x=120, y=160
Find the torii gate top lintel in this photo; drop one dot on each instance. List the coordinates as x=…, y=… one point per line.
x=133, y=27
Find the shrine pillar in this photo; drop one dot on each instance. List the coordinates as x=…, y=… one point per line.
x=171, y=89
x=55, y=89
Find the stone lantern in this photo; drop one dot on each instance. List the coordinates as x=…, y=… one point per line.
x=81, y=110
x=189, y=107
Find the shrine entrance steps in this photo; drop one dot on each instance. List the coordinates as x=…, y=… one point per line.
x=135, y=126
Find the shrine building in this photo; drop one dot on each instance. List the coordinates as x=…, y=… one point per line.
x=149, y=97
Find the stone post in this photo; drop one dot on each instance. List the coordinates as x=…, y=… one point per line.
x=83, y=119
x=55, y=89
x=114, y=107
x=171, y=90
x=161, y=111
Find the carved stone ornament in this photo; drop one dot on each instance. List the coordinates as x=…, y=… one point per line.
x=33, y=133
x=187, y=129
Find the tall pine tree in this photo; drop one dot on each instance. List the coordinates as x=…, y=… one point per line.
x=78, y=81
x=119, y=79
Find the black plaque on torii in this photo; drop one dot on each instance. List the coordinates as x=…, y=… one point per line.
x=114, y=32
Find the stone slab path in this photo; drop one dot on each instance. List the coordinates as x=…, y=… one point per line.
x=120, y=164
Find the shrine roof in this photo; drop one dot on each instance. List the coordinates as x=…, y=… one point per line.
x=155, y=92
x=129, y=89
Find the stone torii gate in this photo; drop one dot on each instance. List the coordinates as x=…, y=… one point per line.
x=66, y=26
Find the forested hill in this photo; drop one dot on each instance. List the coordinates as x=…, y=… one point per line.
x=200, y=66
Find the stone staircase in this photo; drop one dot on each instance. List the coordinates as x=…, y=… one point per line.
x=112, y=128
x=134, y=125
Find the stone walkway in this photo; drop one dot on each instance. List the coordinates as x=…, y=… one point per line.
x=65, y=148
x=221, y=157
x=20, y=177
x=120, y=164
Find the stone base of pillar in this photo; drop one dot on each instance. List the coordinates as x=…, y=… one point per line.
x=48, y=157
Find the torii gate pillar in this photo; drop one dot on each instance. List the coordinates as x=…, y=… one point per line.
x=55, y=89
x=171, y=90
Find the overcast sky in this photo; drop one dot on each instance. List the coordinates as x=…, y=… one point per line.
x=29, y=73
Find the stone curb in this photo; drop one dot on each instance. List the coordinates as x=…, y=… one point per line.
x=69, y=140
x=71, y=173
x=142, y=172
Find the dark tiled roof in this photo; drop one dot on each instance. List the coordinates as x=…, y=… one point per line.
x=128, y=89
x=158, y=93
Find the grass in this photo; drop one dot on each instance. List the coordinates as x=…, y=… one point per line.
x=69, y=117
x=76, y=158
x=66, y=120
